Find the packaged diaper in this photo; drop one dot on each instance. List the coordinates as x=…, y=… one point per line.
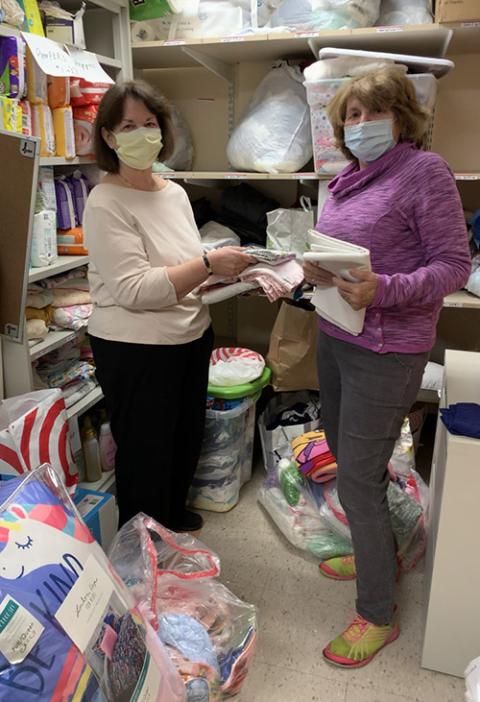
x=33, y=22
x=12, y=67
x=46, y=198
x=79, y=183
x=44, y=239
x=10, y=115
x=83, y=92
x=83, y=638
x=12, y=13
x=64, y=134
x=71, y=242
x=83, y=124
x=66, y=218
x=36, y=82
x=43, y=128
x=27, y=124
x=58, y=92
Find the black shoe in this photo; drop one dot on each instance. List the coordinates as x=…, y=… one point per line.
x=190, y=521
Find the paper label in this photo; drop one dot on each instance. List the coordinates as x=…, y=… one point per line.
x=19, y=630
x=85, y=605
x=88, y=503
x=148, y=683
x=55, y=61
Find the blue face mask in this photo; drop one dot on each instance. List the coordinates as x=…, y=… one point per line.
x=369, y=140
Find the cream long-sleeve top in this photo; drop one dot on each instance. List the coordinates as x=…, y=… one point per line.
x=133, y=236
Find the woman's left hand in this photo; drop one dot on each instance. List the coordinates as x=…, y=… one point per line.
x=358, y=295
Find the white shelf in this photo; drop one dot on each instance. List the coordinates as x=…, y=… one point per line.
x=52, y=341
x=7, y=31
x=64, y=263
x=106, y=481
x=464, y=299
x=233, y=175
x=468, y=176
x=61, y=161
x=85, y=403
x=423, y=40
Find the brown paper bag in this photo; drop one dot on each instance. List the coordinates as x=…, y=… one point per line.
x=292, y=351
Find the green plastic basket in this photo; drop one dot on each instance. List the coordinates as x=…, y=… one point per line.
x=236, y=392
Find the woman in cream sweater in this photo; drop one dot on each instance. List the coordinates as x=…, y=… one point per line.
x=151, y=336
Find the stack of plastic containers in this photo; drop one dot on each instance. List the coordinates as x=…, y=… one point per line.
x=226, y=460
x=422, y=71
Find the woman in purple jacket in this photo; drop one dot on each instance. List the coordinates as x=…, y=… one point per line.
x=403, y=205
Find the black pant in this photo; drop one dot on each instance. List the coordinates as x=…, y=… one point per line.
x=156, y=396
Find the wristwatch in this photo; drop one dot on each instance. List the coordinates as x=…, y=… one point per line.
x=207, y=263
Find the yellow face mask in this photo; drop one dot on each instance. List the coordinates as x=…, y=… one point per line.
x=139, y=148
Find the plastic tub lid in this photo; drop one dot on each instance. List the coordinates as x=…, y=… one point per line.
x=416, y=64
x=235, y=392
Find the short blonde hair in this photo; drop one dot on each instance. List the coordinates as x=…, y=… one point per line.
x=385, y=89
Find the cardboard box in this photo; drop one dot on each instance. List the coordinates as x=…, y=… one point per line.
x=457, y=11
x=99, y=512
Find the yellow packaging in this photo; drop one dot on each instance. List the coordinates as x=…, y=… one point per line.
x=43, y=128
x=10, y=115
x=36, y=82
x=64, y=134
x=33, y=22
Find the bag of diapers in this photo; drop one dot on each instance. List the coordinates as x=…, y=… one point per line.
x=43, y=128
x=44, y=239
x=64, y=133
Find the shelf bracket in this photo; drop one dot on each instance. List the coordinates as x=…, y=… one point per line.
x=223, y=70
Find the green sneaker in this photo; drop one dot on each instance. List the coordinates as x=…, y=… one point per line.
x=339, y=568
x=360, y=642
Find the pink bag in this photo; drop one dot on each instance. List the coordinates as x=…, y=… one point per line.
x=34, y=430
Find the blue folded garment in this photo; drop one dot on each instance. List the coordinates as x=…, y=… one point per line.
x=462, y=419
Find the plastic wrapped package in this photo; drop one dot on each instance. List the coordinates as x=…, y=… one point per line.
x=151, y=9
x=71, y=242
x=12, y=67
x=44, y=239
x=274, y=134
x=27, y=122
x=215, y=235
x=288, y=228
x=33, y=21
x=312, y=15
x=64, y=133
x=10, y=115
x=46, y=198
x=11, y=13
x=398, y=12
x=37, y=91
x=58, y=92
x=288, y=499
x=226, y=458
x=108, y=651
x=43, y=128
x=83, y=125
x=83, y=92
x=209, y=633
x=66, y=215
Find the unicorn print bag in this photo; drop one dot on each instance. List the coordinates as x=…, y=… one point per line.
x=69, y=631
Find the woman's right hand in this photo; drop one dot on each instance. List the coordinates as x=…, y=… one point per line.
x=229, y=261
x=316, y=275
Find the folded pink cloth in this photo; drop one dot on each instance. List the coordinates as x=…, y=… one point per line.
x=74, y=317
x=276, y=281
x=67, y=298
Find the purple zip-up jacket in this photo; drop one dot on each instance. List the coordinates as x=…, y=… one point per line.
x=405, y=208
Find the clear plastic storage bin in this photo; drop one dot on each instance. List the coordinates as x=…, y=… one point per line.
x=329, y=159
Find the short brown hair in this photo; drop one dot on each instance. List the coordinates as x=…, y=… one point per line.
x=110, y=114
x=384, y=89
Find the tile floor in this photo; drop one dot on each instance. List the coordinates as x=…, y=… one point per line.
x=299, y=611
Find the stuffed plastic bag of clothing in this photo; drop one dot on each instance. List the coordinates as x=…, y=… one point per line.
x=325, y=14
x=70, y=628
x=182, y=156
x=397, y=12
x=405, y=499
x=274, y=135
x=288, y=499
x=209, y=633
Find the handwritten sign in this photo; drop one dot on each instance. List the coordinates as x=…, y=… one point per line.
x=85, y=604
x=54, y=60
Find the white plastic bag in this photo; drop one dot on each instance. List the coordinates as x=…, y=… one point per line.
x=274, y=134
x=182, y=157
x=287, y=229
x=395, y=12
x=234, y=366
x=215, y=235
x=472, y=681
x=326, y=14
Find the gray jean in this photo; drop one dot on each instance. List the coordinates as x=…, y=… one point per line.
x=365, y=397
